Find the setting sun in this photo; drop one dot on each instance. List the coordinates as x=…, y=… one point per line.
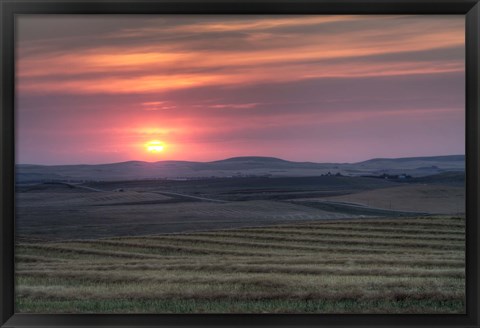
x=154, y=146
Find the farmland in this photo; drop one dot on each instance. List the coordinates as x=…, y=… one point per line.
x=376, y=265
x=242, y=244
x=100, y=210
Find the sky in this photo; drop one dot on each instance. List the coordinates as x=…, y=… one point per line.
x=104, y=89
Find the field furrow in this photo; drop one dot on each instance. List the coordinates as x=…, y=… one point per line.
x=400, y=265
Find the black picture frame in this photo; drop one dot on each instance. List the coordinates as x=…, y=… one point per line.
x=10, y=8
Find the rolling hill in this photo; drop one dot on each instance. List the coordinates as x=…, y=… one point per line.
x=237, y=166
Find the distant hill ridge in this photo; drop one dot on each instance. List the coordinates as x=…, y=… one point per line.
x=272, y=160
x=252, y=159
x=237, y=166
x=425, y=158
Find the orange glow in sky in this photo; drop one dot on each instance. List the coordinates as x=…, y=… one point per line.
x=154, y=146
x=103, y=89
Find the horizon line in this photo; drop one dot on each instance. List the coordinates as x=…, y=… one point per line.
x=239, y=157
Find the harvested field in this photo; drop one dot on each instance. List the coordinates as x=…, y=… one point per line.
x=382, y=265
x=36, y=199
x=102, y=214
x=422, y=198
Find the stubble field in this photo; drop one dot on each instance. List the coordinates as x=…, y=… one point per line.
x=377, y=265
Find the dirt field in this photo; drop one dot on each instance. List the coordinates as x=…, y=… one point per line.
x=133, y=208
x=97, y=215
x=437, y=199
